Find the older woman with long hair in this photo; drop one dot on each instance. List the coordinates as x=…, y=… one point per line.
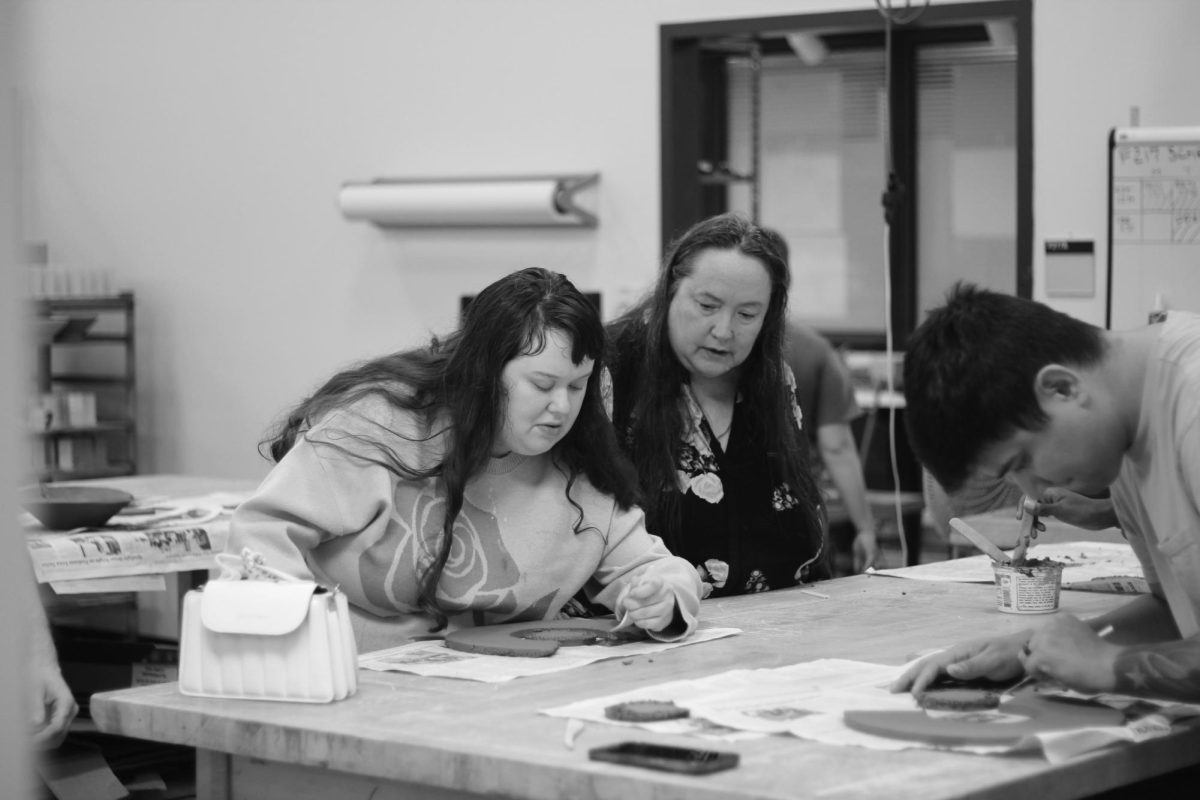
x=706, y=407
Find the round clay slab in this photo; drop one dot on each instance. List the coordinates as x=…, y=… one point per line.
x=533, y=639
x=958, y=699
x=566, y=637
x=1024, y=714
x=645, y=711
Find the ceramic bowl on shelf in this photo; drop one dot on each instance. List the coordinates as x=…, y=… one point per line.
x=61, y=508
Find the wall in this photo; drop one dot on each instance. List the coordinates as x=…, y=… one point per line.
x=195, y=147
x=1094, y=60
x=16, y=771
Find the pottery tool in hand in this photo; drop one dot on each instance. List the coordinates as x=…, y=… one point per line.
x=979, y=540
x=1031, y=677
x=625, y=620
x=624, y=623
x=1027, y=513
x=1028, y=679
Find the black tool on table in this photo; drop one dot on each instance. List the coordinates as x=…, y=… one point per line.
x=666, y=757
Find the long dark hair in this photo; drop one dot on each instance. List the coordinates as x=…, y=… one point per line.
x=460, y=379
x=642, y=357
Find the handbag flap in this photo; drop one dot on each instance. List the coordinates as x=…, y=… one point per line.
x=257, y=607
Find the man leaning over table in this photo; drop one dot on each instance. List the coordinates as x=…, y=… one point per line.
x=1004, y=387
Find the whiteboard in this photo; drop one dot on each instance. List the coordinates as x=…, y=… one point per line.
x=1153, y=222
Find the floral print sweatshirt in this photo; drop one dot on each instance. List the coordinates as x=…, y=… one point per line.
x=343, y=520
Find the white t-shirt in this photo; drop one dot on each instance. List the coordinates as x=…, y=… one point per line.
x=1157, y=495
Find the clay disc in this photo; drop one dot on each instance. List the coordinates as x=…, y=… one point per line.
x=537, y=638
x=959, y=699
x=645, y=711
x=1024, y=714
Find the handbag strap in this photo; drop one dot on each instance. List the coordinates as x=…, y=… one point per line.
x=250, y=566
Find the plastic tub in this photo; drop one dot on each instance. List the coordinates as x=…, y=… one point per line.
x=1031, y=588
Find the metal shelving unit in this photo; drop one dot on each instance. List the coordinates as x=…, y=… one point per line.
x=90, y=355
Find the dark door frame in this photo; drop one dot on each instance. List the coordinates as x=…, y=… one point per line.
x=692, y=91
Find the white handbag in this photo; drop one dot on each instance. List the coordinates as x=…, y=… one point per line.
x=265, y=640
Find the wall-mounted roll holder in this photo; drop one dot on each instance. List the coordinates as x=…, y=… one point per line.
x=469, y=202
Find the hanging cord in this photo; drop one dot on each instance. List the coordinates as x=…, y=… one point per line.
x=893, y=197
x=755, y=132
x=891, y=395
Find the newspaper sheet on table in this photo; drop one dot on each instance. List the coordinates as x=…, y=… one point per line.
x=755, y=702
x=1094, y=566
x=113, y=553
x=807, y=700
x=154, y=535
x=433, y=659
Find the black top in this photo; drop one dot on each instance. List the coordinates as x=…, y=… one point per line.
x=740, y=527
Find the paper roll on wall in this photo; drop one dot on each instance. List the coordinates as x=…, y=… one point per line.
x=456, y=203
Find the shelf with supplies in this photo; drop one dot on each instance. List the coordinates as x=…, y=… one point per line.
x=82, y=418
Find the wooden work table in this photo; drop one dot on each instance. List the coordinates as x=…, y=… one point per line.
x=404, y=736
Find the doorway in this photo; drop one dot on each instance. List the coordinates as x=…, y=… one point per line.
x=798, y=122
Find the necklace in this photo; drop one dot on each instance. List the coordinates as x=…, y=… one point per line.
x=708, y=416
x=719, y=436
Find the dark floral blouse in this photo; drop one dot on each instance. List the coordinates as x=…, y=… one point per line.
x=743, y=532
